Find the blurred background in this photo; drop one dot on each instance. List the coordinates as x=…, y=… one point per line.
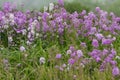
x=71, y=5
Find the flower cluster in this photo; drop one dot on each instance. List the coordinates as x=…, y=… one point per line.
x=77, y=59
x=96, y=31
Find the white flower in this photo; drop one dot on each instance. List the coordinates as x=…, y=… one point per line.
x=5, y=19
x=51, y=6
x=10, y=39
x=29, y=35
x=11, y=16
x=111, y=45
x=109, y=36
x=64, y=65
x=50, y=16
x=45, y=8
x=69, y=52
x=5, y=26
x=68, y=67
x=32, y=32
x=42, y=60
x=114, y=38
x=82, y=65
x=39, y=18
x=117, y=57
x=28, y=28
x=22, y=49
x=24, y=31
x=28, y=42
x=37, y=35
x=12, y=22
x=1, y=49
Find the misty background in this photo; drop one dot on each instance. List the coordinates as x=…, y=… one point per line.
x=108, y=5
x=37, y=4
x=29, y=4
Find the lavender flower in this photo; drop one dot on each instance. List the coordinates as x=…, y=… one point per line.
x=105, y=52
x=98, y=59
x=7, y=6
x=22, y=48
x=83, y=44
x=1, y=15
x=99, y=36
x=106, y=41
x=58, y=56
x=61, y=2
x=73, y=54
x=98, y=9
x=95, y=43
x=113, y=63
x=115, y=71
x=72, y=48
x=79, y=53
x=71, y=61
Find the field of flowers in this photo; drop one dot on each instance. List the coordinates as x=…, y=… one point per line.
x=58, y=45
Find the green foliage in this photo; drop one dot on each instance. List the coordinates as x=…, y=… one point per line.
x=4, y=39
x=114, y=7
x=22, y=67
x=75, y=6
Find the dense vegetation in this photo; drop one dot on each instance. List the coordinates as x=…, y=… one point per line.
x=58, y=45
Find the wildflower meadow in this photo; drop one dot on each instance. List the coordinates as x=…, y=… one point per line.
x=55, y=44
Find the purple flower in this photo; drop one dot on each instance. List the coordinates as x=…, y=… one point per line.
x=93, y=53
x=58, y=56
x=71, y=61
x=60, y=30
x=61, y=2
x=22, y=49
x=83, y=12
x=97, y=9
x=44, y=16
x=79, y=53
x=1, y=15
x=98, y=59
x=83, y=44
x=111, y=55
x=102, y=67
x=45, y=26
x=73, y=54
x=5, y=61
x=99, y=36
x=113, y=63
x=6, y=64
x=72, y=48
x=8, y=6
x=105, y=52
x=113, y=52
x=115, y=71
x=61, y=69
x=20, y=18
x=95, y=43
x=106, y=41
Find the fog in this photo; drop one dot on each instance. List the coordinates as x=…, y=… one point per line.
x=29, y=4
x=37, y=4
